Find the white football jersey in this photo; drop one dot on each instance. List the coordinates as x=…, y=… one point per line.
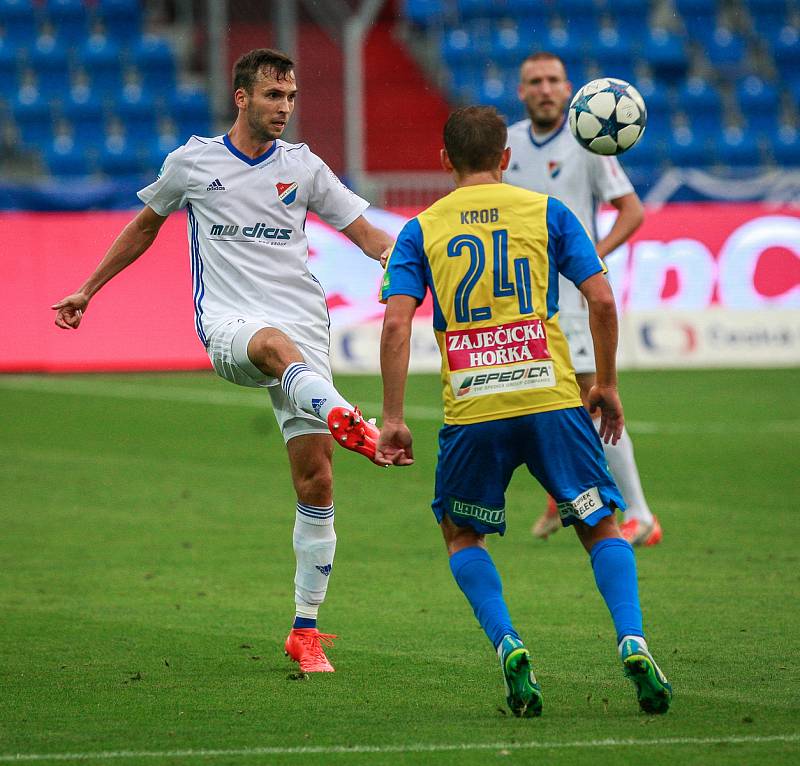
x=560, y=167
x=246, y=228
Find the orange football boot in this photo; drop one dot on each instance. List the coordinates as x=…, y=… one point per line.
x=352, y=432
x=304, y=645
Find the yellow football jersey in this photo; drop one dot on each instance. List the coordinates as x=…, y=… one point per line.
x=490, y=254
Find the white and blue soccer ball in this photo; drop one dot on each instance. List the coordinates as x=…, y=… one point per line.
x=607, y=116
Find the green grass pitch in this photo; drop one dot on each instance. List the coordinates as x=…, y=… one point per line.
x=146, y=587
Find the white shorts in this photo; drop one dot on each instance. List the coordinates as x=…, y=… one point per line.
x=227, y=350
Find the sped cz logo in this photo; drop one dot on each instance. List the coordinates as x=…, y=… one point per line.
x=287, y=192
x=467, y=385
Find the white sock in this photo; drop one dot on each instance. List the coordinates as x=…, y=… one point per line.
x=623, y=468
x=314, y=547
x=310, y=391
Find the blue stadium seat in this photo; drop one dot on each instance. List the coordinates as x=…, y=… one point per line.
x=768, y=15
x=191, y=112
x=687, y=150
x=614, y=55
x=699, y=16
x=119, y=157
x=701, y=102
x=786, y=146
x=726, y=51
x=497, y=89
x=70, y=19
x=738, y=148
x=424, y=13
x=100, y=57
x=153, y=58
x=160, y=145
x=792, y=86
x=462, y=45
x=33, y=116
x=136, y=110
x=84, y=110
x=19, y=19
x=760, y=104
x=9, y=63
x=49, y=58
x=507, y=47
x=67, y=155
x=581, y=20
x=121, y=18
x=665, y=52
x=785, y=45
x=480, y=9
x=560, y=41
x=465, y=81
x=766, y=25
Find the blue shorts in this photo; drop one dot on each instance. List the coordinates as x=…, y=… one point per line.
x=561, y=449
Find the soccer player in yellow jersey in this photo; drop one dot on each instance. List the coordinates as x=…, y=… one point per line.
x=490, y=254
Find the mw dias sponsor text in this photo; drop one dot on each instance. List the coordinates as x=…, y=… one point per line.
x=256, y=231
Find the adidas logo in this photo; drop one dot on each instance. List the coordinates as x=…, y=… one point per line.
x=215, y=185
x=316, y=404
x=326, y=570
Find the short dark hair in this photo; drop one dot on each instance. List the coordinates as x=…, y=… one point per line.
x=545, y=56
x=248, y=67
x=474, y=138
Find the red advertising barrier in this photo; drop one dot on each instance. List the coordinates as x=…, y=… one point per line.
x=143, y=320
x=686, y=257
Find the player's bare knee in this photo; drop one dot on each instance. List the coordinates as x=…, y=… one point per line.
x=272, y=351
x=589, y=536
x=457, y=538
x=313, y=483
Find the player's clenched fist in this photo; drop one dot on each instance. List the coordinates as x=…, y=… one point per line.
x=70, y=311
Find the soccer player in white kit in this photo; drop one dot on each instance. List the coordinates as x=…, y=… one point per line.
x=258, y=309
x=546, y=158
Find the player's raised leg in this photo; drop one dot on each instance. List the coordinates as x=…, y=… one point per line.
x=314, y=542
x=479, y=580
x=274, y=353
x=614, y=567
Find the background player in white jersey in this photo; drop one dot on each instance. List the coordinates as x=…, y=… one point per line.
x=546, y=158
x=259, y=311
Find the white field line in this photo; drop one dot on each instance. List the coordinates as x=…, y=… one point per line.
x=236, y=396
x=412, y=748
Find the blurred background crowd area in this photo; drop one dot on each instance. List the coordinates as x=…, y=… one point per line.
x=103, y=89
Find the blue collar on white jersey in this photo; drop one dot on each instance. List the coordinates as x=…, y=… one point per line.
x=243, y=157
x=554, y=134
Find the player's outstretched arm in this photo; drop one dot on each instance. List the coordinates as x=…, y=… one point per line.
x=603, y=324
x=375, y=242
x=131, y=242
x=395, y=442
x=629, y=218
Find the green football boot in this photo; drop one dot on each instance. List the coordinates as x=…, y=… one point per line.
x=652, y=688
x=523, y=693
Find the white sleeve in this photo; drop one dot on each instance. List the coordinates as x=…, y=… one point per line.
x=330, y=199
x=608, y=178
x=168, y=192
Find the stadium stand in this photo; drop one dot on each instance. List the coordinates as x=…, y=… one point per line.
x=92, y=87
x=721, y=78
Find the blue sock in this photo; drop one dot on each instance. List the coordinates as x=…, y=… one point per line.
x=614, y=568
x=479, y=579
x=304, y=622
